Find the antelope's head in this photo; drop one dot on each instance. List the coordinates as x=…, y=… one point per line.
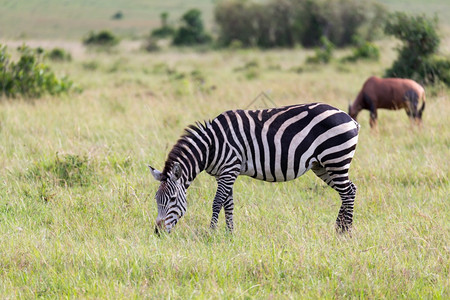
x=352, y=112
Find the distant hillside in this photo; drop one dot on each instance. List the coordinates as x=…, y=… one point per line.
x=64, y=19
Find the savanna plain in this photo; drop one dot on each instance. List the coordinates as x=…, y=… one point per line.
x=77, y=208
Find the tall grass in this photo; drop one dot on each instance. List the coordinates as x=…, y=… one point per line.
x=76, y=198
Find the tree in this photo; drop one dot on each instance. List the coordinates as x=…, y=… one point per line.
x=165, y=30
x=192, y=31
x=417, y=57
x=284, y=23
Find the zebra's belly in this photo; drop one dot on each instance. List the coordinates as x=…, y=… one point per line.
x=265, y=173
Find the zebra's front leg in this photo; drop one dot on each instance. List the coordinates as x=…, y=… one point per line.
x=223, y=194
x=216, y=207
x=228, y=207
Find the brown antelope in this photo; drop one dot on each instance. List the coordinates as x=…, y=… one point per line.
x=389, y=93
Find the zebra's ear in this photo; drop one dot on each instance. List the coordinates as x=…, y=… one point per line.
x=155, y=173
x=176, y=171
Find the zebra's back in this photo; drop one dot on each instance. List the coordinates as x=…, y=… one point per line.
x=281, y=144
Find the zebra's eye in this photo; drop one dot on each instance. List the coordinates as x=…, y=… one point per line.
x=173, y=198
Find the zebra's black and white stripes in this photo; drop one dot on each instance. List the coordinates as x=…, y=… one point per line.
x=278, y=144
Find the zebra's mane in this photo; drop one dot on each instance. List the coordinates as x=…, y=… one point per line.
x=190, y=132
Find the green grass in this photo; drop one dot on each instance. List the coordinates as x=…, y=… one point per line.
x=77, y=207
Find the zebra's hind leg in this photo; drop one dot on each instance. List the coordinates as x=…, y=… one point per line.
x=345, y=217
x=337, y=178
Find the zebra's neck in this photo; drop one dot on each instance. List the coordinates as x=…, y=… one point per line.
x=191, y=151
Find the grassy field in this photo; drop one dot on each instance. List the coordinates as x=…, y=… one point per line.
x=77, y=206
x=56, y=19
x=77, y=199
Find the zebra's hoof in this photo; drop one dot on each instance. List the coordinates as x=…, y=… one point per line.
x=344, y=229
x=157, y=231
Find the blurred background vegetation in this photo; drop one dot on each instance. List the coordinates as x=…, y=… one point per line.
x=208, y=25
x=64, y=19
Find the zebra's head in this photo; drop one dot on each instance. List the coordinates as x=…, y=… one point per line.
x=170, y=198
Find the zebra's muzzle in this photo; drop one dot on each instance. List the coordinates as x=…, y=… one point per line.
x=160, y=225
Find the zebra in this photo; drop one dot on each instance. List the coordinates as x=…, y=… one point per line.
x=275, y=145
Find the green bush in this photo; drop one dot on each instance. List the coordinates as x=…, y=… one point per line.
x=165, y=30
x=323, y=54
x=58, y=54
x=29, y=76
x=117, y=16
x=192, y=31
x=417, y=57
x=368, y=51
x=438, y=69
x=251, y=69
x=90, y=65
x=418, y=33
x=364, y=50
x=103, y=38
x=65, y=170
x=151, y=45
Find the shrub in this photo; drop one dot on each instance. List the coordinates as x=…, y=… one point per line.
x=58, y=54
x=416, y=58
x=29, y=76
x=192, y=31
x=90, y=65
x=165, y=30
x=438, y=69
x=103, y=38
x=162, y=68
x=368, y=51
x=418, y=33
x=151, y=45
x=117, y=16
x=430, y=69
x=250, y=70
x=65, y=170
x=323, y=54
x=364, y=50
